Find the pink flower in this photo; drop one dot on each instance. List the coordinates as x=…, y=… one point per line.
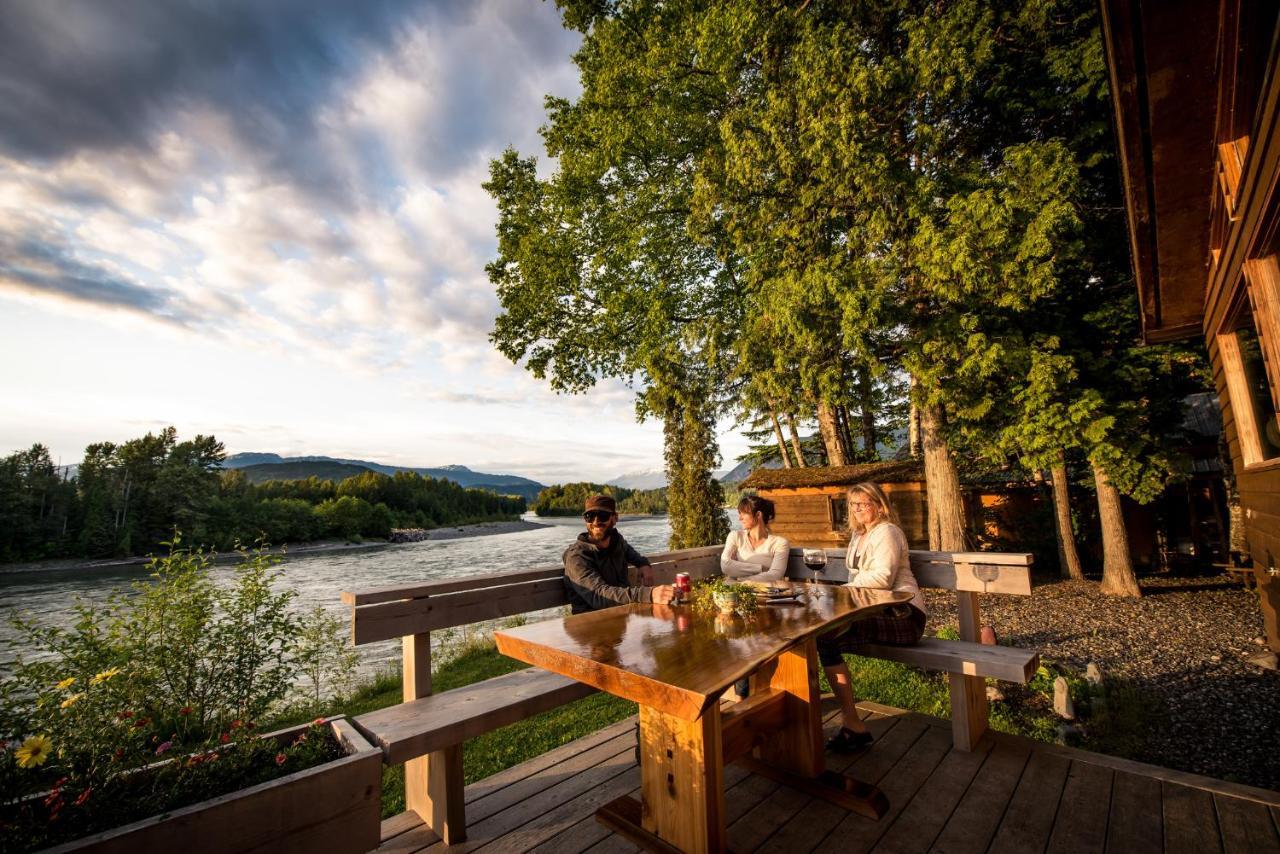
x=184, y=711
x=124, y=715
x=163, y=747
x=318, y=722
x=84, y=796
x=280, y=758
x=237, y=723
x=224, y=738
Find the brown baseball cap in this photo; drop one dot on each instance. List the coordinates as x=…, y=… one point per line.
x=601, y=502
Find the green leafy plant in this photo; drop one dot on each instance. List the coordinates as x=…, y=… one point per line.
x=150, y=702
x=703, y=596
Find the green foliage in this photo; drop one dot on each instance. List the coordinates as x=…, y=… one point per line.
x=567, y=499
x=130, y=499
x=182, y=667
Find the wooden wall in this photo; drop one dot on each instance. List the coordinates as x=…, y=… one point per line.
x=804, y=516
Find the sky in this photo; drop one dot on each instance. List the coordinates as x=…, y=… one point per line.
x=265, y=221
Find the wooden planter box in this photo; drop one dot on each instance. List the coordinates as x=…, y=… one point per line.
x=333, y=808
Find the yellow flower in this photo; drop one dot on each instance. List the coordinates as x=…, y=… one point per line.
x=66, y=683
x=104, y=675
x=71, y=701
x=34, y=751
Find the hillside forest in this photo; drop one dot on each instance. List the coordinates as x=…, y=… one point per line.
x=127, y=499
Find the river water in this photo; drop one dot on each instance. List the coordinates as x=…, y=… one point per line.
x=50, y=596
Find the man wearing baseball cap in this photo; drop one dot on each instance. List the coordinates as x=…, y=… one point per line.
x=595, y=567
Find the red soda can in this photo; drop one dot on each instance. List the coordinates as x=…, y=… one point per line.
x=682, y=585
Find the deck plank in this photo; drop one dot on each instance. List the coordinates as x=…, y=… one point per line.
x=1011, y=795
x=1190, y=820
x=815, y=820
x=973, y=823
x=1029, y=818
x=1246, y=826
x=1135, y=821
x=1081, y=826
x=858, y=833
x=512, y=819
x=924, y=816
x=541, y=762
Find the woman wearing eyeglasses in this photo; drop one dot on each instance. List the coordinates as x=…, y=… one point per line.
x=877, y=558
x=754, y=553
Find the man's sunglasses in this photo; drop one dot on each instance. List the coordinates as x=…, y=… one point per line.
x=597, y=516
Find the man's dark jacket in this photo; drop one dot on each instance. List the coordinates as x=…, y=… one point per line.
x=596, y=578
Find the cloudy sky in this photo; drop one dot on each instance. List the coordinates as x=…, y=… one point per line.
x=265, y=221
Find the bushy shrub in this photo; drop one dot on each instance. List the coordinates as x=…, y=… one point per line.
x=184, y=669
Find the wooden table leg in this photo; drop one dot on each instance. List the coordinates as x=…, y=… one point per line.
x=794, y=755
x=681, y=786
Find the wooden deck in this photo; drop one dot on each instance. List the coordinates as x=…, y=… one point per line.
x=1011, y=795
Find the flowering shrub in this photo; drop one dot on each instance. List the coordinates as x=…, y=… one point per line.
x=703, y=596
x=150, y=702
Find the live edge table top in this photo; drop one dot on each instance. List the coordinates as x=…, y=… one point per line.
x=674, y=659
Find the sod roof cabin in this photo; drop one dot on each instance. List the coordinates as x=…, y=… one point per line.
x=812, y=509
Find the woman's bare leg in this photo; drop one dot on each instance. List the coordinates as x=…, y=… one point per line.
x=842, y=686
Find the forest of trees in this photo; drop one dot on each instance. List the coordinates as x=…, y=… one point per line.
x=567, y=499
x=847, y=219
x=127, y=499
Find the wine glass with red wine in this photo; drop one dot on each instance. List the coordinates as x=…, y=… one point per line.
x=815, y=560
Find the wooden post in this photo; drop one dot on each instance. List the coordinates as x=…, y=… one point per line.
x=682, y=780
x=968, y=693
x=433, y=785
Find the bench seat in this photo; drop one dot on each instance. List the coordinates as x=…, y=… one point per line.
x=956, y=656
x=438, y=721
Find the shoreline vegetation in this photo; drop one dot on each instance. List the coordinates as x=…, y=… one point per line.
x=447, y=532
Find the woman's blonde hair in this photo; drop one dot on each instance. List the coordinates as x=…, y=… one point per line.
x=872, y=493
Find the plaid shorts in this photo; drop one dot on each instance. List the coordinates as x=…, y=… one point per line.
x=901, y=625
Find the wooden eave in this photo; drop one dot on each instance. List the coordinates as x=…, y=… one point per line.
x=1161, y=61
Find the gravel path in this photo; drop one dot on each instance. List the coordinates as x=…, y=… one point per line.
x=1184, y=644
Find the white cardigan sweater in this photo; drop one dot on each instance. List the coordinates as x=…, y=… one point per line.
x=879, y=559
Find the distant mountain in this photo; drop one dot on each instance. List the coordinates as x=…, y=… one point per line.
x=651, y=479
x=507, y=484
x=739, y=473
x=263, y=472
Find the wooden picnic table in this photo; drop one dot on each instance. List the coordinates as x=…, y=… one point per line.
x=676, y=664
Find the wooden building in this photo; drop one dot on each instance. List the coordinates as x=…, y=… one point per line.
x=812, y=509
x=1196, y=99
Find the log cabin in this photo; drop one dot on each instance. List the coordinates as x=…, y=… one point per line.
x=1196, y=99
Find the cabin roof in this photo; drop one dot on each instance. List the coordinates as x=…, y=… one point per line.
x=1161, y=63
x=792, y=478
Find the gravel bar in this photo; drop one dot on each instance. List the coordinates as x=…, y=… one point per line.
x=1183, y=644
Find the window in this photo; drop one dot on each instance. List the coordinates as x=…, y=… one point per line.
x=838, y=511
x=1247, y=344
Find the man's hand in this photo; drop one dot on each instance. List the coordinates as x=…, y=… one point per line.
x=646, y=575
x=663, y=594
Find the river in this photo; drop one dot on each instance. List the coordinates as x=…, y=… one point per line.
x=51, y=595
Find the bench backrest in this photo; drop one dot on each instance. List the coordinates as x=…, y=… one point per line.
x=391, y=612
x=974, y=572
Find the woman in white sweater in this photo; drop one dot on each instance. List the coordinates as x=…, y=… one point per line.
x=754, y=553
x=877, y=558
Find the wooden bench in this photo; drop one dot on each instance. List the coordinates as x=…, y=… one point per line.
x=427, y=730
x=967, y=662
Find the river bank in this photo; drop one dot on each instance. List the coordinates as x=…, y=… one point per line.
x=320, y=547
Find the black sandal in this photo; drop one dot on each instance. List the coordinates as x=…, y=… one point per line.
x=847, y=741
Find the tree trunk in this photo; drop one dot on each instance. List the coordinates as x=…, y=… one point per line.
x=867, y=401
x=943, y=482
x=846, y=439
x=796, y=447
x=1118, y=578
x=782, y=445
x=913, y=427
x=1068, y=557
x=830, y=434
